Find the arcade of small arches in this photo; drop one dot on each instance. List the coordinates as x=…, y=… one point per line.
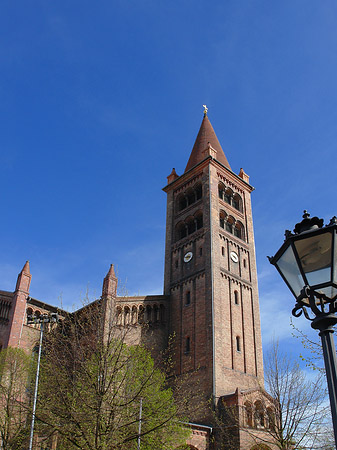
x=37, y=313
x=231, y=225
x=133, y=315
x=227, y=195
x=258, y=416
x=190, y=196
x=189, y=226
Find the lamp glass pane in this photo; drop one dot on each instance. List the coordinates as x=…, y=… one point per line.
x=329, y=291
x=315, y=256
x=287, y=265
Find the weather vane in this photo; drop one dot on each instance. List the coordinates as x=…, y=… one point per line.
x=205, y=110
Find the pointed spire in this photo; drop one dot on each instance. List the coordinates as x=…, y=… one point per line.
x=206, y=139
x=26, y=268
x=24, y=278
x=111, y=272
x=110, y=283
x=173, y=176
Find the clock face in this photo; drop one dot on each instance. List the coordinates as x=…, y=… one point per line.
x=234, y=257
x=188, y=257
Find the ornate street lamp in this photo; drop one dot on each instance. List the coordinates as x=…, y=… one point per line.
x=307, y=262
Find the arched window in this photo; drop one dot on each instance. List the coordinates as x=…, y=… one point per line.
x=271, y=418
x=141, y=314
x=248, y=414
x=198, y=191
x=237, y=202
x=188, y=298
x=181, y=231
x=222, y=218
x=236, y=297
x=134, y=315
x=126, y=315
x=119, y=315
x=230, y=224
x=191, y=225
x=29, y=313
x=239, y=230
x=148, y=314
x=181, y=202
x=190, y=194
x=198, y=220
x=238, y=344
x=221, y=190
x=228, y=194
x=259, y=414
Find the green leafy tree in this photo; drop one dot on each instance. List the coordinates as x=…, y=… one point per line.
x=92, y=385
x=15, y=369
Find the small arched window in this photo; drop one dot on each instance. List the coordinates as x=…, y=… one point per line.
x=239, y=230
x=181, y=231
x=237, y=202
x=188, y=298
x=230, y=224
x=221, y=190
x=134, y=315
x=198, y=220
x=259, y=414
x=141, y=314
x=238, y=344
x=248, y=414
x=191, y=197
x=198, y=191
x=119, y=315
x=271, y=418
x=181, y=202
x=236, y=297
x=222, y=218
x=191, y=225
x=148, y=313
x=228, y=194
x=126, y=315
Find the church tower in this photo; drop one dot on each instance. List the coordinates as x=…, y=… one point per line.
x=210, y=272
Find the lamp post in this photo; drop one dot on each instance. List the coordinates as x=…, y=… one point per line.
x=42, y=319
x=307, y=262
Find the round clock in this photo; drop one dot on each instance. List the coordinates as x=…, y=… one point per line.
x=188, y=257
x=234, y=257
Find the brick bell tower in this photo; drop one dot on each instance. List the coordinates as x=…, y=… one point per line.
x=210, y=273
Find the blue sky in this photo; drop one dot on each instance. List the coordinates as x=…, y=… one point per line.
x=99, y=100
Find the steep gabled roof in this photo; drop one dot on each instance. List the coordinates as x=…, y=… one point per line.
x=206, y=135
